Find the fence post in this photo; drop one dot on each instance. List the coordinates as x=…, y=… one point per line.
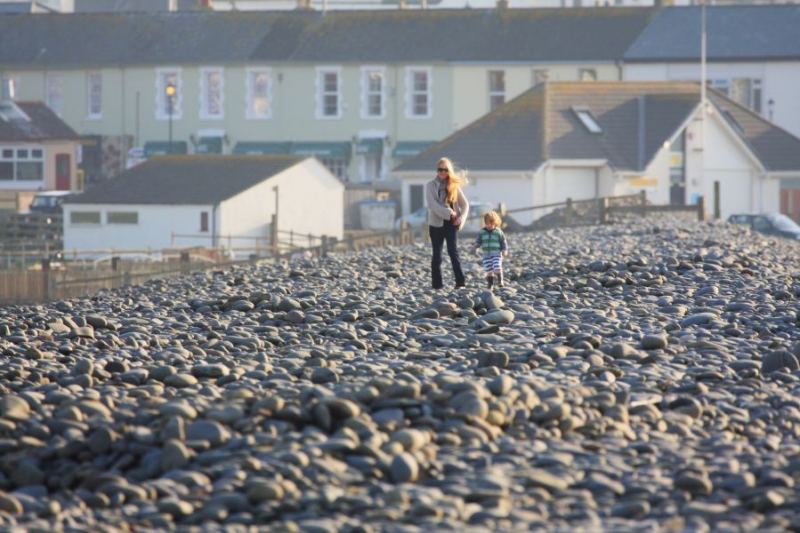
x=273, y=233
x=46, y=279
x=701, y=208
x=184, y=262
x=568, y=211
x=351, y=243
x=602, y=209
x=717, y=210
x=115, y=263
x=643, y=202
x=323, y=247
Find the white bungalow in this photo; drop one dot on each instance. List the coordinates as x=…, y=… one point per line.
x=585, y=140
x=212, y=201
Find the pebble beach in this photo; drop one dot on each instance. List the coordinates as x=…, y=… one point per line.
x=638, y=376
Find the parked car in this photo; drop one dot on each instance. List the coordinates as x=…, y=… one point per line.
x=770, y=224
x=419, y=218
x=48, y=201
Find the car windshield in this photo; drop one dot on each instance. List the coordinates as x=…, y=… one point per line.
x=784, y=223
x=44, y=201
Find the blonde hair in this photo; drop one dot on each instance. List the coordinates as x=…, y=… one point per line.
x=491, y=217
x=455, y=180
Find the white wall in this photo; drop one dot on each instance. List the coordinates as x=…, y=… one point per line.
x=780, y=81
x=515, y=189
x=154, y=230
x=310, y=200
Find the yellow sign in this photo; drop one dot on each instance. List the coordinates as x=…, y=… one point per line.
x=643, y=181
x=676, y=159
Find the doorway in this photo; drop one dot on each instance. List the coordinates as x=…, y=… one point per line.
x=63, y=174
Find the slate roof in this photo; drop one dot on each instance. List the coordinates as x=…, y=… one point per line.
x=96, y=39
x=636, y=118
x=186, y=180
x=733, y=33
x=43, y=125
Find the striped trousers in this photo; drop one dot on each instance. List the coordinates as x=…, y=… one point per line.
x=492, y=262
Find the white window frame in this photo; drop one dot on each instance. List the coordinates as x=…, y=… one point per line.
x=15, y=159
x=495, y=92
x=94, y=95
x=410, y=92
x=161, y=97
x=54, y=92
x=84, y=212
x=250, y=95
x=13, y=79
x=205, y=93
x=366, y=92
x=320, y=92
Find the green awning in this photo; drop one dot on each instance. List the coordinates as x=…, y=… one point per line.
x=322, y=149
x=208, y=145
x=261, y=148
x=152, y=148
x=369, y=146
x=406, y=149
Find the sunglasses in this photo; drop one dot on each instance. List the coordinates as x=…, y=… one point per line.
x=441, y=170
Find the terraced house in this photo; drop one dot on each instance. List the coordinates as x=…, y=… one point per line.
x=360, y=90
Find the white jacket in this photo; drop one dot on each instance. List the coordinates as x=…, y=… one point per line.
x=439, y=211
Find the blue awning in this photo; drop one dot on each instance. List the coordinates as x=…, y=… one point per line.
x=369, y=146
x=406, y=149
x=332, y=150
x=261, y=148
x=152, y=148
x=209, y=145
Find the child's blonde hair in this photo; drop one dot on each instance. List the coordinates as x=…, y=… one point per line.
x=491, y=217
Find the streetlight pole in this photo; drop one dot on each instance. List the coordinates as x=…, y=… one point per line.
x=169, y=90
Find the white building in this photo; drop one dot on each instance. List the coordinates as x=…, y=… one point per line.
x=753, y=55
x=211, y=201
x=584, y=140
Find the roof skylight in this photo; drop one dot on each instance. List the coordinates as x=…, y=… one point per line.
x=587, y=119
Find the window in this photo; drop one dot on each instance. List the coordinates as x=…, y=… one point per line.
x=84, y=217
x=755, y=96
x=122, y=217
x=9, y=85
x=55, y=93
x=418, y=92
x=328, y=86
x=722, y=86
x=204, y=221
x=94, y=92
x=539, y=75
x=164, y=104
x=211, y=93
x=587, y=74
x=259, y=93
x=337, y=166
x=587, y=119
x=497, y=88
x=22, y=164
x=372, y=87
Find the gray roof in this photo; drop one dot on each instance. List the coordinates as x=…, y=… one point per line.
x=187, y=180
x=733, y=33
x=583, y=34
x=636, y=119
x=43, y=125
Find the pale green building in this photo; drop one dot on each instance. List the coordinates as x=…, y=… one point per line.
x=361, y=90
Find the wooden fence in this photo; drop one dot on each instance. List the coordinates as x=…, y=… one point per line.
x=53, y=282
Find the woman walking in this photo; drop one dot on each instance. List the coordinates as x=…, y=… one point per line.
x=447, y=212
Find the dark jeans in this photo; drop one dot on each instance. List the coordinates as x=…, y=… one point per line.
x=448, y=233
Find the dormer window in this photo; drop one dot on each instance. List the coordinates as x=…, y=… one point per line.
x=587, y=119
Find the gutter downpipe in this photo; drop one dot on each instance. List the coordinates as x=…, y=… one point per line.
x=214, y=225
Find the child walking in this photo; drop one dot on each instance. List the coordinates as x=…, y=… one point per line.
x=491, y=242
